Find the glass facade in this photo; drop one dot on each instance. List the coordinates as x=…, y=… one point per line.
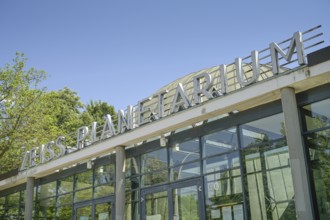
x=12, y=205
x=244, y=170
x=70, y=197
x=316, y=118
x=230, y=168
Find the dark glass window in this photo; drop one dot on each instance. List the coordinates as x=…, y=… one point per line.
x=220, y=142
x=184, y=152
x=223, y=182
x=317, y=139
x=268, y=179
x=155, y=160
x=263, y=130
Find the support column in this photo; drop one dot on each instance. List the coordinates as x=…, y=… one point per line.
x=298, y=163
x=29, y=192
x=120, y=182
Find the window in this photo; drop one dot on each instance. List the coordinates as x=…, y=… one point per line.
x=316, y=117
x=268, y=178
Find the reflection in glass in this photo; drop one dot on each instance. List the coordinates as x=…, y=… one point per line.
x=317, y=115
x=64, y=212
x=269, y=182
x=263, y=130
x=219, y=142
x=184, y=152
x=156, y=160
x=65, y=199
x=132, y=183
x=13, y=199
x=14, y=209
x=223, y=192
x=103, y=211
x=220, y=163
x=132, y=166
x=2, y=205
x=104, y=174
x=157, y=205
x=84, y=180
x=83, y=195
x=84, y=213
x=105, y=190
x=47, y=208
x=132, y=201
x=47, y=190
x=185, y=203
x=12, y=213
x=65, y=185
x=154, y=178
x=319, y=148
x=185, y=171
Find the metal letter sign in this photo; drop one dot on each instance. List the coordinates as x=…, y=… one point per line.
x=296, y=42
x=205, y=87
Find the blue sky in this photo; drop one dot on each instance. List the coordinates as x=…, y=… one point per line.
x=121, y=52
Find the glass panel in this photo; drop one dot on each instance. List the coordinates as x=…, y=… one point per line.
x=65, y=185
x=12, y=213
x=103, y=211
x=47, y=208
x=64, y=212
x=285, y=210
x=185, y=171
x=22, y=202
x=263, y=130
x=2, y=204
x=64, y=199
x=223, y=192
x=319, y=148
x=157, y=206
x=317, y=115
x=155, y=178
x=104, y=174
x=84, y=213
x=185, y=203
x=48, y=190
x=269, y=183
x=184, y=152
x=238, y=212
x=83, y=195
x=13, y=199
x=104, y=190
x=221, y=163
x=132, y=205
x=84, y=180
x=219, y=142
x=132, y=166
x=156, y=160
x=132, y=183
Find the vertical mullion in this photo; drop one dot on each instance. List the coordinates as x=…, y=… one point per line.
x=243, y=171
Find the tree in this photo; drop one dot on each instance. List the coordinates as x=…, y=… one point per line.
x=96, y=110
x=18, y=97
x=30, y=116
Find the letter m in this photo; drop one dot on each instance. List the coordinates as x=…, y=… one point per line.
x=296, y=42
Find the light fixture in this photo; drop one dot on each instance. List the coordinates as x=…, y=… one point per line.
x=176, y=147
x=163, y=141
x=89, y=164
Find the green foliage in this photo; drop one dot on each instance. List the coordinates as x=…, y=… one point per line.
x=31, y=116
x=96, y=110
x=18, y=98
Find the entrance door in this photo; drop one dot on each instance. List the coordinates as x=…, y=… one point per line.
x=100, y=209
x=174, y=201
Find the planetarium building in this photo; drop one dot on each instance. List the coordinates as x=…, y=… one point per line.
x=246, y=140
